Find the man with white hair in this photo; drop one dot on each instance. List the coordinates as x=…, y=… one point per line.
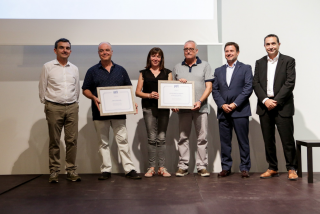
x=199, y=71
x=107, y=73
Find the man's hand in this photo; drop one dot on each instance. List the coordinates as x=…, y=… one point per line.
x=233, y=106
x=196, y=106
x=175, y=109
x=97, y=102
x=226, y=108
x=136, y=108
x=183, y=80
x=270, y=104
x=154, y=95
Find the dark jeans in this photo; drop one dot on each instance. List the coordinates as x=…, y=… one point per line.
x=241, y=128
x=156, y=121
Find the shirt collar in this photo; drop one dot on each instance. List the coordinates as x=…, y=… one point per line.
x=234, y=64
x=275, y=59
x=100, y=65
x=56, y=62
x=197, y=62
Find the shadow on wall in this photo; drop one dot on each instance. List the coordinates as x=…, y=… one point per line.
x=139, y=146
x=35, y=158
x=88, y=157
x=213, y=142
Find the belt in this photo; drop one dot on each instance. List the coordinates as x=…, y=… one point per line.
x=64, y=104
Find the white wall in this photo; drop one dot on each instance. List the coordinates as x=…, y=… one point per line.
x=23, y=128
x=296, y=23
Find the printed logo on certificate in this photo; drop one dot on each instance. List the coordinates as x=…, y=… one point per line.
x=174, y=94
x=116, y=100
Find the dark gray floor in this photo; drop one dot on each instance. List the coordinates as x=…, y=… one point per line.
x=190, y=194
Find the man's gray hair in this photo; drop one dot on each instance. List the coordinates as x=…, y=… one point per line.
x=192, y=42
x=108, y=43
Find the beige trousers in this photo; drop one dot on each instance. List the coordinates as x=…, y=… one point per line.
x=121, y=137
x=200, y=121
x=58, y=116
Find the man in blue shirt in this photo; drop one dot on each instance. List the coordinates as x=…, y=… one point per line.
x=107, y=73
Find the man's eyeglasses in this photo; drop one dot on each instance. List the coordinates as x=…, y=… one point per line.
x=188, y=49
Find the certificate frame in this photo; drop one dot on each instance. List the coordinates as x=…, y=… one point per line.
x=103, y=95
x=163, y=83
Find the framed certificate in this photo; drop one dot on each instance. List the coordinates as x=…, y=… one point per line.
x=116, y=100
x=174, y=94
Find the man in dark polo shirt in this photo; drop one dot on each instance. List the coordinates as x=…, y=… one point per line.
x=107, y=73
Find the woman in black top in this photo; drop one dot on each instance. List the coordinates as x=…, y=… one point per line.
x=156, y=120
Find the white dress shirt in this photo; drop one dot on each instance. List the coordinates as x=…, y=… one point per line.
x=230, y=70
x=272, y=65
x=59, y=84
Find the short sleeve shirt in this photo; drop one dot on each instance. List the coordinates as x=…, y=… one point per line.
x=200, y=73
x=150, y=84
x=98, y=76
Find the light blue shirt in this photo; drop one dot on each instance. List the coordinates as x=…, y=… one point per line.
x=230, y=70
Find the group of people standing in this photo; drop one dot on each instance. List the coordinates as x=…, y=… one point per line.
x=231, y=86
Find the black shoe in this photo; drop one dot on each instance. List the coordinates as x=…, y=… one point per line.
x=133, y=175
x=105, y=176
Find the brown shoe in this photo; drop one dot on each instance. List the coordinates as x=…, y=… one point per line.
x=245, y=174
x=203, y=173
x=292, y=175
x=224, y=173
x=269, y=174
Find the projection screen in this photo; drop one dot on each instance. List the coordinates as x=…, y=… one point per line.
x=121, y=22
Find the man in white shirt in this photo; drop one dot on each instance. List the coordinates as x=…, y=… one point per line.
x=273, y=83
x=59, y=90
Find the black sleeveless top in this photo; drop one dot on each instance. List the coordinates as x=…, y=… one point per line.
x=150, y=84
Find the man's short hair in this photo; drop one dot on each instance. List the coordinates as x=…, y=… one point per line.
x=234, y=44
x=61, y=40
x=108, y=43
x=193, y=42
x=153, y=51
x=271, y=35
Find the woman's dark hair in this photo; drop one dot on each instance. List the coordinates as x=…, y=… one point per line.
x=154, y=51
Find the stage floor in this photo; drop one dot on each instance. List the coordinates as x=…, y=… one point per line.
x=189, y=194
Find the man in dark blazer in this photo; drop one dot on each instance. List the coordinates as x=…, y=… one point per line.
x=232, y=87
x=273, y=83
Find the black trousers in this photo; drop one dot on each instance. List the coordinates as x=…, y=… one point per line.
x=285, y=128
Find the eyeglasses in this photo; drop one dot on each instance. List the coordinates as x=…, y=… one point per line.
x=188, y=49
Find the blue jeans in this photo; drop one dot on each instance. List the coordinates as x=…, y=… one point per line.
x=156, y=121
